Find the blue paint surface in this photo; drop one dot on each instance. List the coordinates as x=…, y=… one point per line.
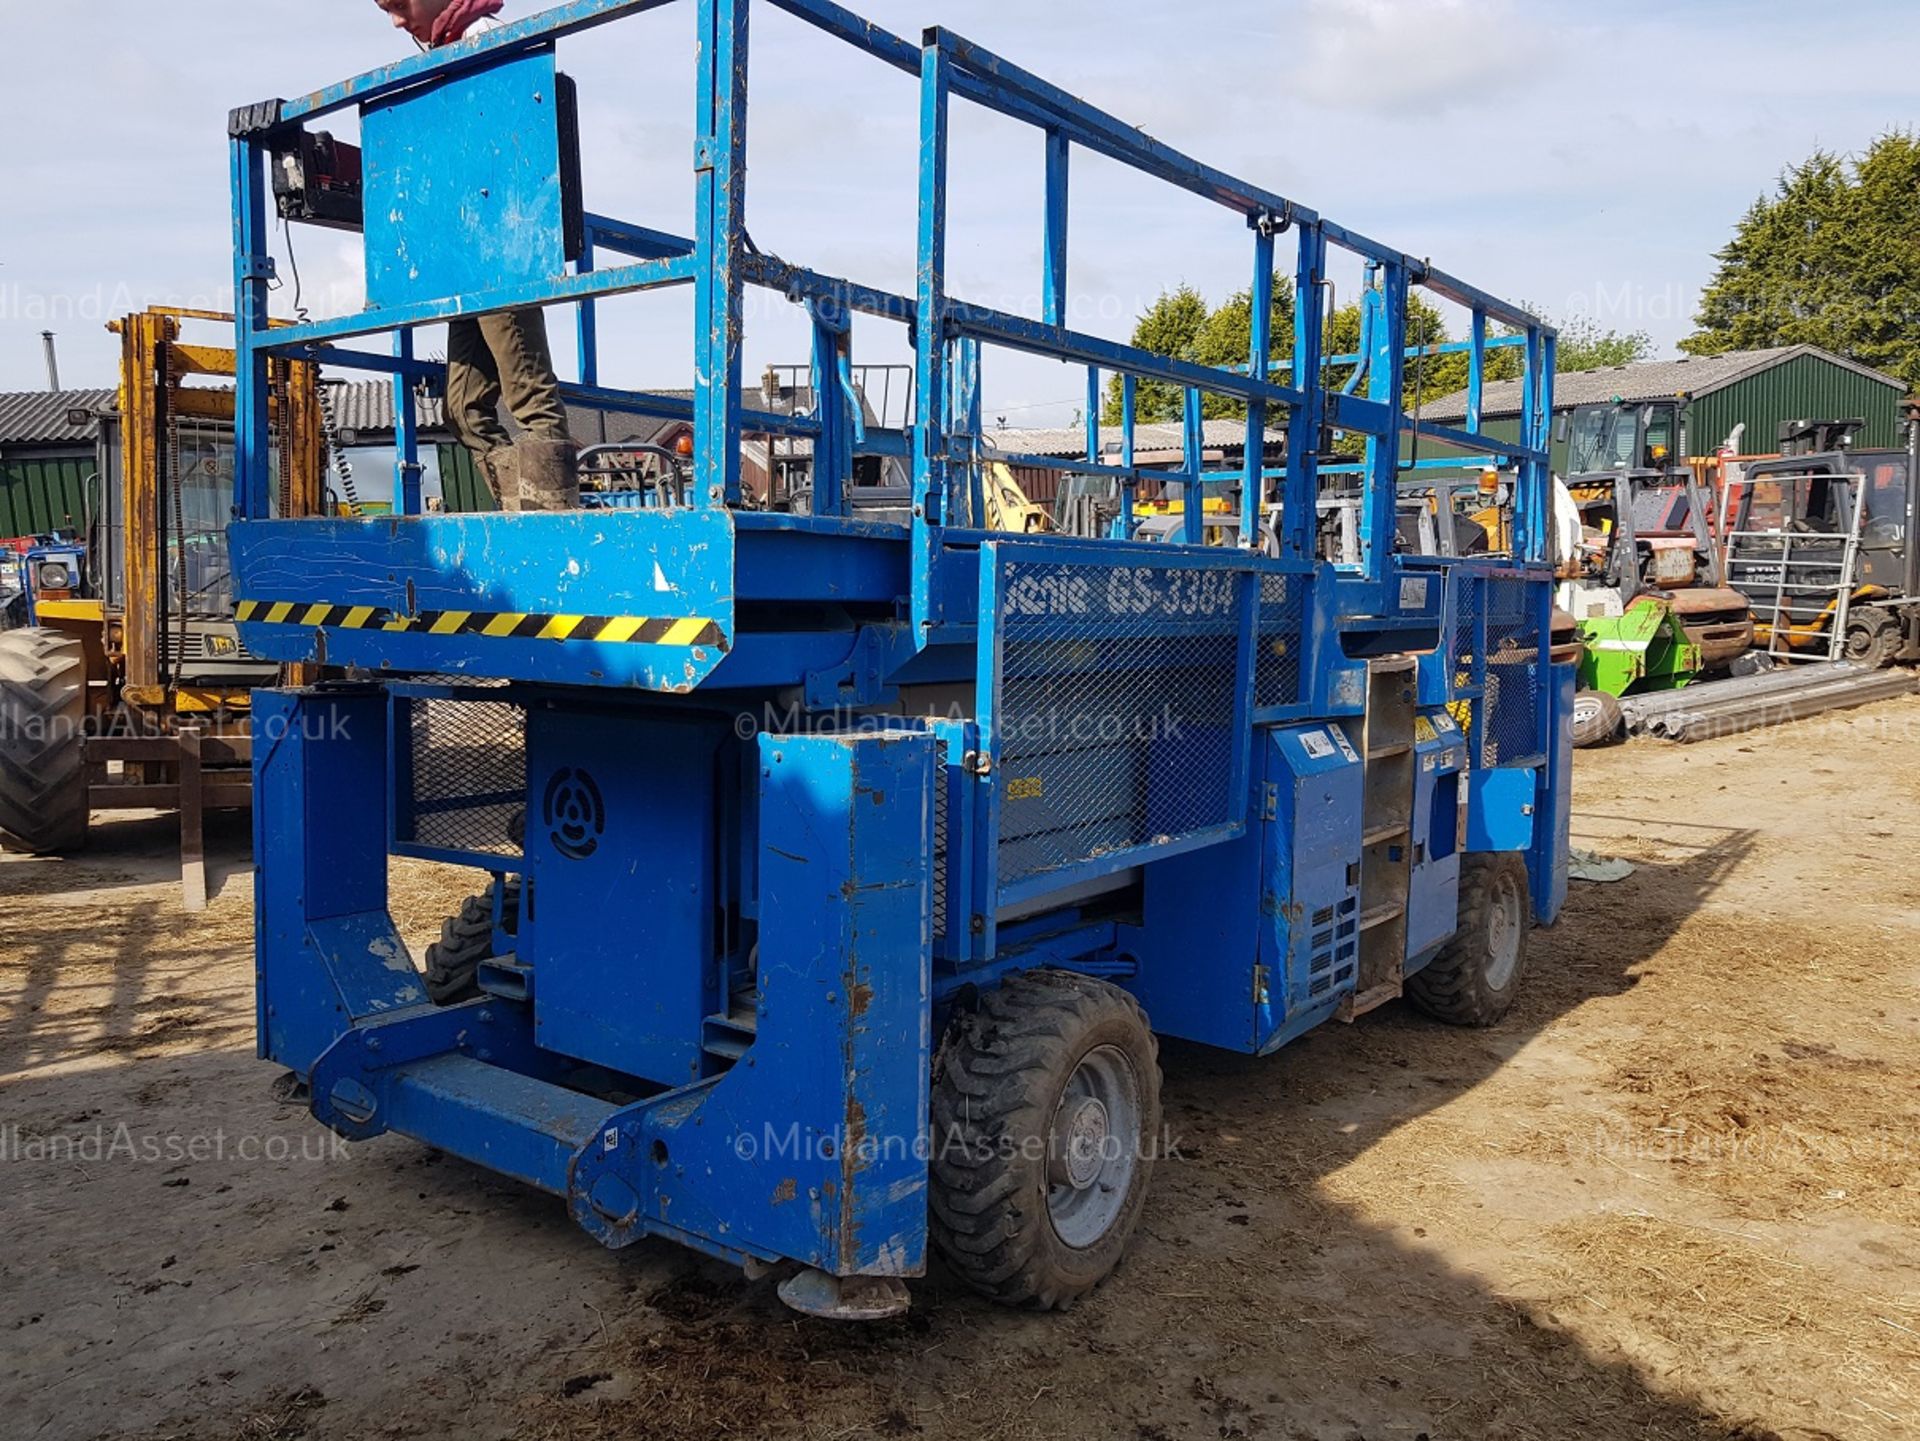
x=748, y=891
x=463, y=185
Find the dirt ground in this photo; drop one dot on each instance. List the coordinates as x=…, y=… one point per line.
x=1672, y=1196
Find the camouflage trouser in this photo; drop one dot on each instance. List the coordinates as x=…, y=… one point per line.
x=495, y=356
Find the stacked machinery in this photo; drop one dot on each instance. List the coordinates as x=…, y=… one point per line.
x=1644, y=581
x=844, y=868
x=132, y=658
x=1820, y=541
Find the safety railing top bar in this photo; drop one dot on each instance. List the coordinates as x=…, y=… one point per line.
x=1023, y=96
x=1044, y=104
x=719, y=264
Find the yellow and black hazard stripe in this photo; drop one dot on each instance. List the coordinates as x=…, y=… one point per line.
x=495, y=625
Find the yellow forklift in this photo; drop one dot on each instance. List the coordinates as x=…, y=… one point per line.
x=131, y=690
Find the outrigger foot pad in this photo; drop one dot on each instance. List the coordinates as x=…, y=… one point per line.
x=846, y=1298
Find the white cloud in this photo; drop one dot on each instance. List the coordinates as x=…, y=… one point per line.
x=1533, y=147
x=1400, y=56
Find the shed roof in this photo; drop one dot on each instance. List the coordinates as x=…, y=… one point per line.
x=1072, y=440
x=1650, y=380
x=39, y=417
x=367, y=406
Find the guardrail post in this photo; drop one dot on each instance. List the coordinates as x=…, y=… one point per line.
x=931, y=470
x=1386, y=378
x=252, y=274
x=1259, y=362
x=721, y=165
x=1299, y=513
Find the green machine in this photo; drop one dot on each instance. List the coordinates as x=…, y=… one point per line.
x=1643, y=649
x=1639, y=567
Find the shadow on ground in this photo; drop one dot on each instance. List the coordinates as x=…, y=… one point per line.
x=388, y=1291
x=88, y=969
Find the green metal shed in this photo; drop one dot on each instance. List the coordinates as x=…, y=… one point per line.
x=42, y=494
x=461, y=484
x=1760, y=389
x=46, y=459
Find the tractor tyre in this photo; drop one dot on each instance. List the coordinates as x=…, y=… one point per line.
x=1873, y=638
x=43, y=716
x=1474, y=981
x=1046, y=1115
x=466, y=939
x=1597, y=718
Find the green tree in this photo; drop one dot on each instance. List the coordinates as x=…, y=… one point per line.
x=1584, y=345
x=1830, y=258
x=1180, y=326
x=1171, y=327
x=1227, y=342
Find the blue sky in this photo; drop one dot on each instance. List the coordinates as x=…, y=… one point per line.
x=1587, y=158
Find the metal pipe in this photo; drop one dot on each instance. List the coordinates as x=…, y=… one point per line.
x=53, y=360
x=1783, y=707
x=1767, y=710
x=1803, y=696
x=1712, y=698
x=1641, y=709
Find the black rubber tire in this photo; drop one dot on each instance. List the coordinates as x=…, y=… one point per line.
x=997, y=1087
x=1873, y=638
x=466, y=939
x=43, y=715
x=1597, y=718
x=1457, y=987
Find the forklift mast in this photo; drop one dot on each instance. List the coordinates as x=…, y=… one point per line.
x=1818, y=437
x=163, y=571
x=1910, y=536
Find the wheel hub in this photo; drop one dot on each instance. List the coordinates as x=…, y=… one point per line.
x=1504, y=927
x=1087, y=1132
x=1093, y=1147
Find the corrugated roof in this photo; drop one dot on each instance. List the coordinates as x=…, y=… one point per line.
x=1647, y=380
x=1072, y=441
x=39, y=417
x=366, y=406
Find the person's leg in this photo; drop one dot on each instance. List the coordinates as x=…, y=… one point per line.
x=523, y=361
x=473, y=409
x=546, y=453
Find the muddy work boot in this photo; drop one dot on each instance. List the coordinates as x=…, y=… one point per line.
x=502, y=469
x=549, y=474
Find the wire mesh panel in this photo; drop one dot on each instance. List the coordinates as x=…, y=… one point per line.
x=1276, y=675
x=1463, y=589
x=1462, y=638
x=1117, y=717
x=465, y=779
x=1512, y=714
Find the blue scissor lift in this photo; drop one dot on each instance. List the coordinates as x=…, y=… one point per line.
x=838, y=865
